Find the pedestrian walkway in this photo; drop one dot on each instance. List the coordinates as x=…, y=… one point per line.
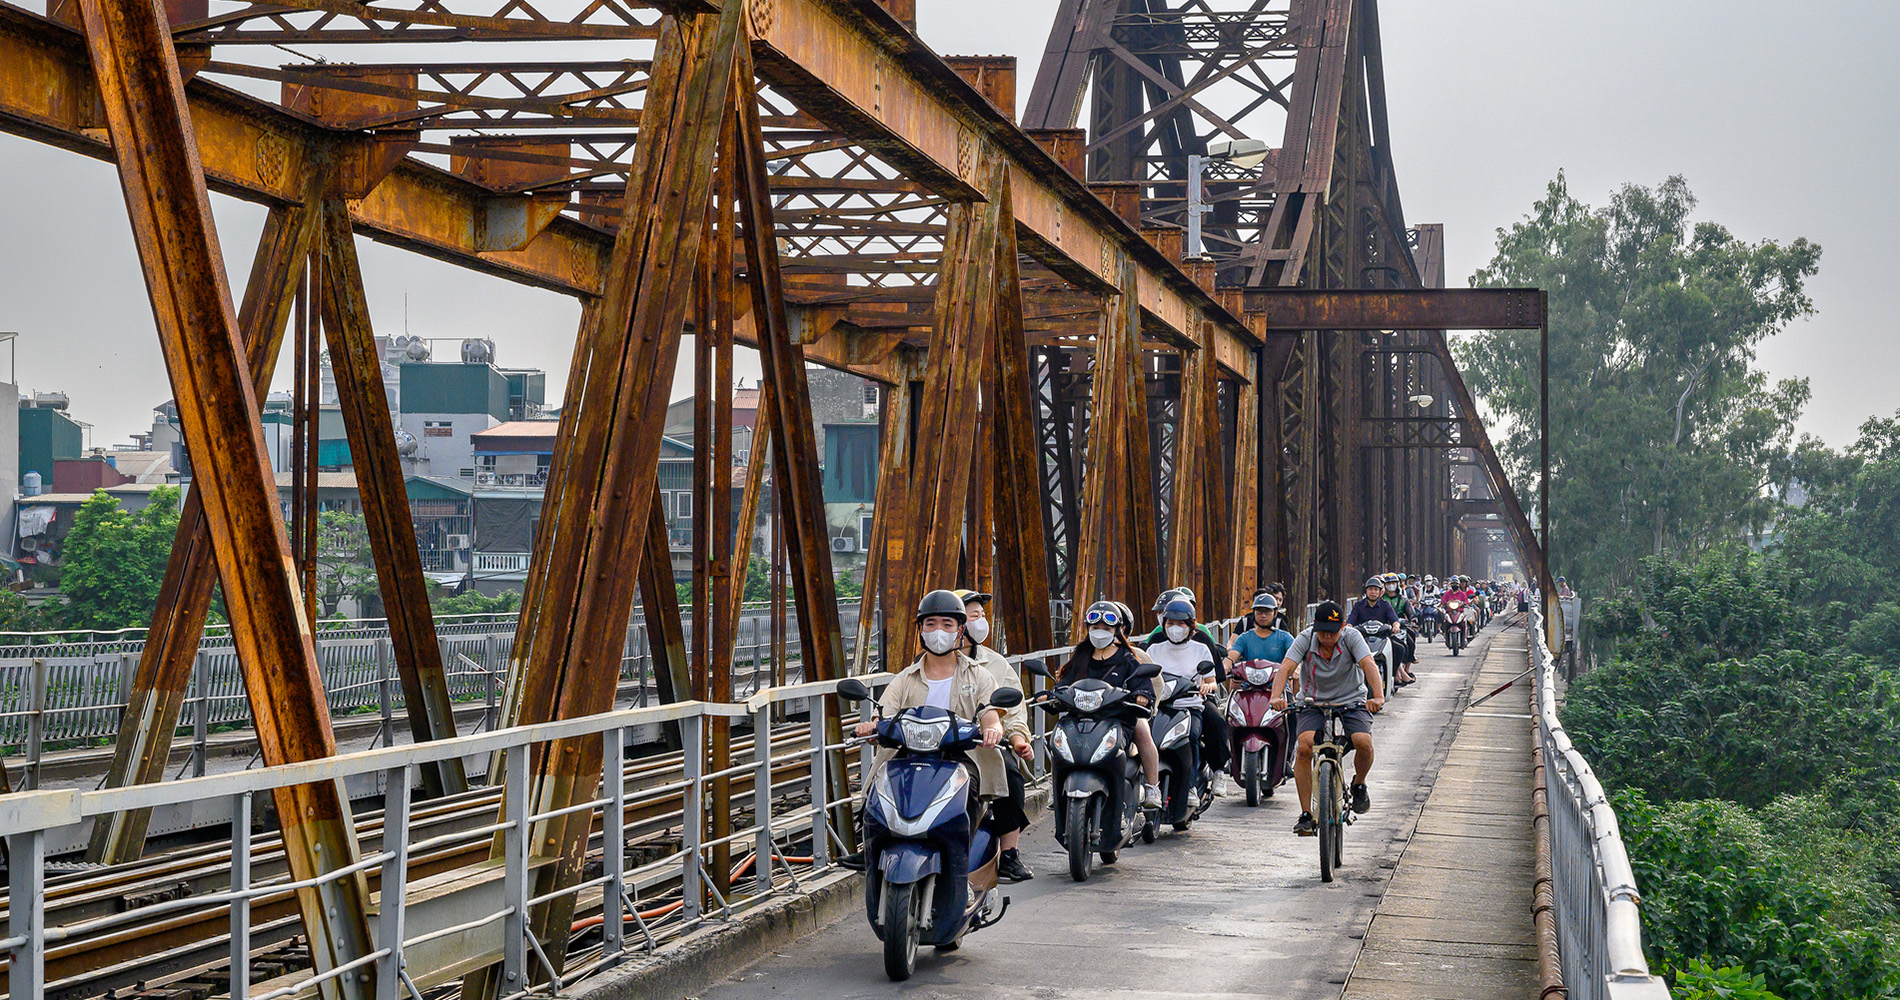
x=1455, y=923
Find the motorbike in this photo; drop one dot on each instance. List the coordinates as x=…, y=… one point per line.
x=930, y=848
x=1455, y=617
x=1095, y=774
x=1429, y=618
x=1174, y=726
x=1258, y=735
x=1378, y=636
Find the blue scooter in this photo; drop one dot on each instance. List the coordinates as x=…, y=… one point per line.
x=930, y=849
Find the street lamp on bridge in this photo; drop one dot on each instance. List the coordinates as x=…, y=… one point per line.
x=1243, y=153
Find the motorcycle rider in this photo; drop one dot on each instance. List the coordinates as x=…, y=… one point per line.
x=943, y=677
x=1373, y=606
x=1335, y=668
x=1402, y=640
x=1011, y=813
x=1266, y=640
x=1182, y=648
x=1107, y=655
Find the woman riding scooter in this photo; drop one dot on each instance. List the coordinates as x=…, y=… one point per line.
x=1106, y=655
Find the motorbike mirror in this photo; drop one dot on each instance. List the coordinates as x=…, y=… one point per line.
x=1206, y=667
x=1145, y=671
x=1037, y=667
x=852, y=689
x=1006, y=698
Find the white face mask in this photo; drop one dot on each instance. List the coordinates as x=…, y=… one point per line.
x=1101, y=637
x=940, y=641
x=1177, y=633
x=979, y=630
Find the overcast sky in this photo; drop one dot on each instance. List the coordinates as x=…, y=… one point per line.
x=1781, y=116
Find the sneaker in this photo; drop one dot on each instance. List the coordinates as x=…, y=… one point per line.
x=855, y=862
x=1010, y=868
x=1222, y=786
x=1361, y=802
x=1304, y=826
x=1151, y=796
x=1193, y=800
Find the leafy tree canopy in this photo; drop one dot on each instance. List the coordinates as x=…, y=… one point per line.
x=113, y=560
x=1663, y=434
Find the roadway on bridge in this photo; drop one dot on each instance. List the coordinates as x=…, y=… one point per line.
x=1231, y=909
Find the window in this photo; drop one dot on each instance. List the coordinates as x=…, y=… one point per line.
x=864, y=530
x=438, y=429
x=870, y=393
x=683, y=503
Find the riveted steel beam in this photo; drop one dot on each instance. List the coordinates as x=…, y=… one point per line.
x=143, y=96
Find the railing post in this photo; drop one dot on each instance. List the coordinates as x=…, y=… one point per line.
x=489, y=644
x=394, y=882
x=200, y=721
x=613, y=840
x=693, y=816
x=820, y=800
x=26, y=880
x=514, y=952
x=36, y=722
x=240, y=884
x=762, y=795
x=384, y=649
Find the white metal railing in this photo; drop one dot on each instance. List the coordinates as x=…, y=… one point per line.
x=417, y=941
x=62, y=688
x=1598, y=917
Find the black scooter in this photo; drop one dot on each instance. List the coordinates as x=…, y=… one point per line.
x=1173, y=727
x=930, y=849
x=1096, y=780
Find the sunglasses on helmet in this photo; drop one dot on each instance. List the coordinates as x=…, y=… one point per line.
x=1109, y=618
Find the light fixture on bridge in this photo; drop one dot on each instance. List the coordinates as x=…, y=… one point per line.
x=1243, y=153
x=1423, y=399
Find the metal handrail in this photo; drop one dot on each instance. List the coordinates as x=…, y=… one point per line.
x=1598, y=906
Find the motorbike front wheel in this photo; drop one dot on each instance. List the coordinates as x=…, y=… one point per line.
x=1081, y=841
x=1254, y=764
x=903, y=918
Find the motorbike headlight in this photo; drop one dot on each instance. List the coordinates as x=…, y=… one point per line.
x=1109, y=742
x=1088, y=701
x=1059, y=742
x=923, y=736
x=1260, y=676
x=1178, y=731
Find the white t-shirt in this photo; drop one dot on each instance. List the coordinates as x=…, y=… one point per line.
x=1180, y=661
x=938, y=695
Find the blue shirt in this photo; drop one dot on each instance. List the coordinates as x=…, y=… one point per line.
x=1272, y=648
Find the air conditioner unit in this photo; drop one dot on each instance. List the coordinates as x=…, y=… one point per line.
x=844, y=543
x=455, y=541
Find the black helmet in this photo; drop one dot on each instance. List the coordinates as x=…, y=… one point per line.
x=1178, y=609
x=1375, y=581
x=1166, y=596
x=1265, y=602
x=941, y=602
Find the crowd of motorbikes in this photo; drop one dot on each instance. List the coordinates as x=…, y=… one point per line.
x=931, y=852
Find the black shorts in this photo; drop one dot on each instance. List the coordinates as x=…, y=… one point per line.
x=1010, y=811
x=1353, y=720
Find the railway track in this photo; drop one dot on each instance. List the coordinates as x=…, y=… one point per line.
x=186, y=943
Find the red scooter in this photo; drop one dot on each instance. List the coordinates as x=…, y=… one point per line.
x=1258, y=736
x=1457, y=629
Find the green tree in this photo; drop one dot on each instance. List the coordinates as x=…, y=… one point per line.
x=18, y=615
x=1664, y=437
x=112, y=562
x=475, y=603
x=346, y=567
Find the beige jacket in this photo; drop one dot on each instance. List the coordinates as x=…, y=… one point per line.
x=973, y=686
x=1015, y=720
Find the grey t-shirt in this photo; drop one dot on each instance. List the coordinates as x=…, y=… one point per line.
x=1335, y=681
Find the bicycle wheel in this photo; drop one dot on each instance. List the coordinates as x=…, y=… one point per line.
x=1326, y=813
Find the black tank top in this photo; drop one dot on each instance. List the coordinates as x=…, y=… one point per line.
x=1113, y=670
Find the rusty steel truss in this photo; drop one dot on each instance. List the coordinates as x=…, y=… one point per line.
x=1071, y=408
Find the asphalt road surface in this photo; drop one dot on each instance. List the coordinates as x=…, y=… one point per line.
x=1233, y=908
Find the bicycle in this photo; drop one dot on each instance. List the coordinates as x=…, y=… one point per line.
x=1332, y=809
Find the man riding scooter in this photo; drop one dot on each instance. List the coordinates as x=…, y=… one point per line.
x=1260, y=738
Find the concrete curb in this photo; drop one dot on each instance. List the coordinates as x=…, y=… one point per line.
x=719, y=950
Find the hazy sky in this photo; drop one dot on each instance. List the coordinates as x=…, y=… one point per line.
x=1781, y=116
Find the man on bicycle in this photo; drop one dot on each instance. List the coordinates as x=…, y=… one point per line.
x=1336, y=670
